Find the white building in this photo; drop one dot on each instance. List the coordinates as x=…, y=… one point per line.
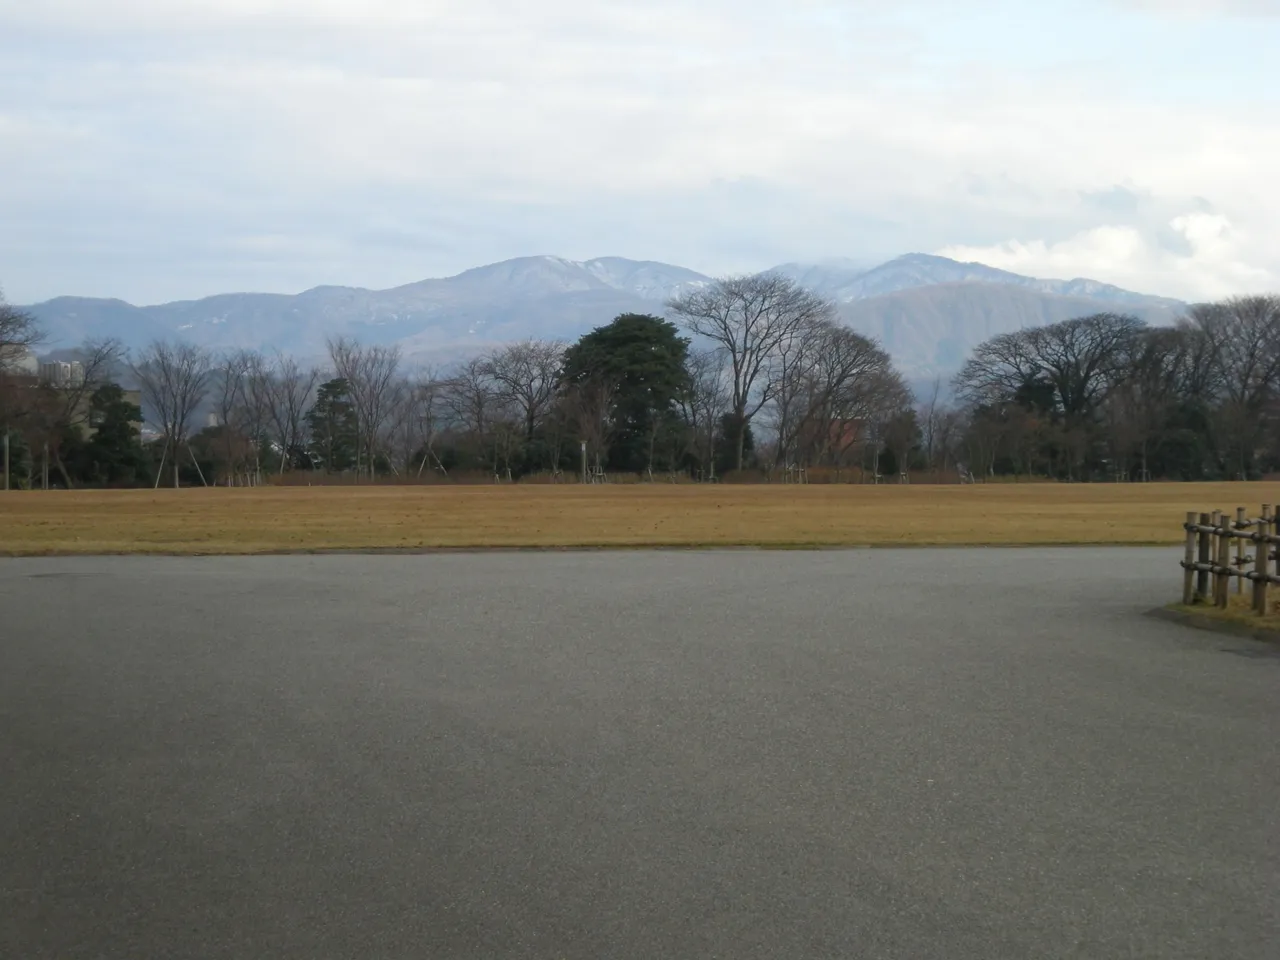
x=62, y=373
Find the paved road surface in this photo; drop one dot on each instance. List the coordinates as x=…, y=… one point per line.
x=917, y=754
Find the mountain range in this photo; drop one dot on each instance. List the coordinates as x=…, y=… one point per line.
x=927, y=311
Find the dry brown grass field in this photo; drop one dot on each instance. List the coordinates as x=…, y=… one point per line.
x=288, y=519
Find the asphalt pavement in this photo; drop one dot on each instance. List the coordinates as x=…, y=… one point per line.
x=840, y=754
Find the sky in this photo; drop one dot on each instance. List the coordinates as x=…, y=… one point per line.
x=154, y=150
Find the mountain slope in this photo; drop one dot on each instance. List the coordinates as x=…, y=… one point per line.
x=916, y=270
x=933, y=328
x=527, y=297
x=825, y=277
x=927, y=311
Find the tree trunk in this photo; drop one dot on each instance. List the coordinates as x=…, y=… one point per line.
x=199, y=472
x=164, y=453
x=62, y=468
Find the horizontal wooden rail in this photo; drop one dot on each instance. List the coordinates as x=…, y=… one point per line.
x=1233, y=534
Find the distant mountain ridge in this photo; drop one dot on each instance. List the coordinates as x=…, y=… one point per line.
x=928, y=311
x=921, y=270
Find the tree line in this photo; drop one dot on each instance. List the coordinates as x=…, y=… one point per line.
x=745, y=376
x=1106, y=397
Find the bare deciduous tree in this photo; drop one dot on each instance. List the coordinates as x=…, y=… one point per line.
x=470, y=396
x=414, y=423
x=1071, y=367
x=1163, y=370
x=68, y=403
x=230, y=406
x=845, y=380
x=752, y=319
x=1080, y=360
x=792, y=376
x=289, y=390
x=527, y=372
x=1242, y=338
x=484, y=408
x=930, y=414
x=174, y=379
x=370, y=373
x=429, y=407
x=256, y=413
x=18, y=334
x=702, y=403
x=588, y=407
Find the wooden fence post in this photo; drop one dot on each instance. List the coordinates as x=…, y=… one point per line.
x=1215, y=518
x=1262, y=562
x=1268, y=527
x=1203, y=556
x=1223, y=586
x=1215, y=521
x=1242, y=524
x=1188, y=574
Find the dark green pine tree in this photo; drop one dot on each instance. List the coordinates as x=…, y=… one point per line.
x=331, y=422
x=642, y=360
x=114, y=454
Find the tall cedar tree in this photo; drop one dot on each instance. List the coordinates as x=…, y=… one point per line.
x=642, y=360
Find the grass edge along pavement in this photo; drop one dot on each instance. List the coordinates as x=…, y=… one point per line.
x=1237, y=620
x=276, y=520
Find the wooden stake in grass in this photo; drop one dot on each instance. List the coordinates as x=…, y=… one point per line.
x=1263, y=562
x=1224, y=563
x=1241, y=526
x=1188, y=573
x=1202, y=577
x=1261, y=566
x=1215, y=521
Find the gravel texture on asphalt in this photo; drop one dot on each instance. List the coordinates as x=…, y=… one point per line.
x=888, y=754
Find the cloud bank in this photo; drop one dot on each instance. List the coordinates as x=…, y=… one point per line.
x=153, y=150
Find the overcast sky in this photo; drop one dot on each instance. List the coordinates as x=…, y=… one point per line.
x=162, y=149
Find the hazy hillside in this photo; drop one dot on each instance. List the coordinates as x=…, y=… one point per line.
x=531, y=296
x=916, y=270
x=928, y=311
x=936, y=326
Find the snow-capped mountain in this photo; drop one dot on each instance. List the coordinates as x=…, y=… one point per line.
x=846, y=283
x=928, y=311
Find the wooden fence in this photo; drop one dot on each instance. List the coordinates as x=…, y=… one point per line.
x=1221, y=549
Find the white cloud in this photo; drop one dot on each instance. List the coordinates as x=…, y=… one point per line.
x=1217, y=259
x=1205, y=8
x=729, y=134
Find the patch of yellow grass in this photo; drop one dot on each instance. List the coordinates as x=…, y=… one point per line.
x=281, y=519
x=1240, y=610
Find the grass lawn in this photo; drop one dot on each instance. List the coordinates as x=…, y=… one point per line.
x=284, y=519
